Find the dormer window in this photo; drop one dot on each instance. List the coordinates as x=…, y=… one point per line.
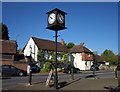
x=88, y=55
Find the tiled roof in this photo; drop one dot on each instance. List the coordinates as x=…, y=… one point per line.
x=49, y=45
x=98, y=58
x=79, y=49
x=8, y=46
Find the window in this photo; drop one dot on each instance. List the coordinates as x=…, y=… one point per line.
x=88, y=55
x=59, y=57
x=5, y=67
x=86, y=63
x=6, y=57
x=13, y=68
x=46, y=56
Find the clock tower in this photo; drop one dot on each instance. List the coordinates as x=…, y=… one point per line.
x=56, y=20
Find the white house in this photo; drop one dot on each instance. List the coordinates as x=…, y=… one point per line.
x=82, y=57
x=35, y=44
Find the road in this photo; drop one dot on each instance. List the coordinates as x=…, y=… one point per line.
x=39, y=78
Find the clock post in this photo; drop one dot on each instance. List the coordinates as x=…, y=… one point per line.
x=56, y=22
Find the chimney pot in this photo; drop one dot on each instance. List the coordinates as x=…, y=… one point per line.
x=62, y=42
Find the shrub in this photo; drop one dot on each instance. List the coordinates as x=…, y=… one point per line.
x=59, y=69
x=46, y=68
x=43, y=70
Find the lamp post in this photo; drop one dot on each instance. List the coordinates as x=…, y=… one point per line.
x=56, y=22
x=29, y=67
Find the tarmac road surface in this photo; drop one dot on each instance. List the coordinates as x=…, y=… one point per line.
x=84, y=77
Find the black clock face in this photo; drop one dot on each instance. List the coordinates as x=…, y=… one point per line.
x=60, y=18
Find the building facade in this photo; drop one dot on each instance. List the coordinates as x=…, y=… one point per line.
x=36, y=44
x=82, y=57
x=8, y=51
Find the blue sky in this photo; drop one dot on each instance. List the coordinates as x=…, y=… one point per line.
x=95, y=24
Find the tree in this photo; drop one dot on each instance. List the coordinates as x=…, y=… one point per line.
x=51, y=59
x=40, y=55
x=108, y=55
x=4, y=32
x=70, y=45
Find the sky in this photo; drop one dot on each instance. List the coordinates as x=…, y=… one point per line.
x=94, y=23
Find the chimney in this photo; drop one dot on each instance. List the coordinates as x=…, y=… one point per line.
x=82, y=43
x=62, y=42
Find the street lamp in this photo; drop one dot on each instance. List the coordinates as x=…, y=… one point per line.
x=56, y=22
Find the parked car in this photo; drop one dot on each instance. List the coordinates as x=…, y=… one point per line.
x=68, y=69
x=9, y=70
x=35, y=68
x=94, y=67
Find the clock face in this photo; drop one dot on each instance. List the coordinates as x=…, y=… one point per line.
x=51, y=18
x=60, y=18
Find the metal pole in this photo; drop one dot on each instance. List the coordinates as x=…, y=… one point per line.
x=30, y=77
x=116, y=75
x=56, y=76
x=93, y=73
x=72, y=73
x=30, y=74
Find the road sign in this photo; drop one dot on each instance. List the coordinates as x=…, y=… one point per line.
x=49, y=78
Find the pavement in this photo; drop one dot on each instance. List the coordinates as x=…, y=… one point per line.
x=82, y=71
x=88, y=83
x=105, y=84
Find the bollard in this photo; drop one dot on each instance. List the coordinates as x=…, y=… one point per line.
x=30, y=74
x=93, y=72
x=116, y=76
x=30, y=78
x=72, y=73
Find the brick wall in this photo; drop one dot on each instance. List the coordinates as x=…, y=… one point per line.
x=87, y=56
x=6, y=62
